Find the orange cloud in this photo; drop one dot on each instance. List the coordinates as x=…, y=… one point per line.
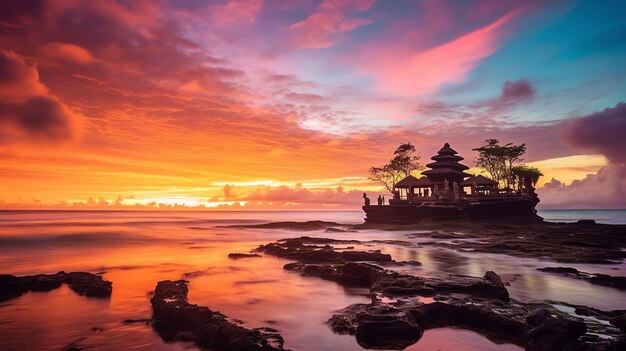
x=27, y=110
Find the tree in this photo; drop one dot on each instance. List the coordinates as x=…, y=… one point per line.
x=498, y=159
x=526, y=176
x=403, y=163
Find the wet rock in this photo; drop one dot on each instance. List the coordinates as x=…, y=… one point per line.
x=306, y=249
x=395, y=330
x=174, y=318
x=359, y=274
x=338, y=230
x=471, y=286
x=365, y=256
x=586, y=221
x=554, y=333
x=88, y=284
x=566, y=270
x=619, y=322
x=83, y=283
x=594, y=278
x=236, y=256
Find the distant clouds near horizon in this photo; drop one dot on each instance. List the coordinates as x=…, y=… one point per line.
x=282, y=104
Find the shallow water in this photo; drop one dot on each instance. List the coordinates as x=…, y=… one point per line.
x=135, y=250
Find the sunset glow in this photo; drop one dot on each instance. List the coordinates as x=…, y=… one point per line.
x=276, y=104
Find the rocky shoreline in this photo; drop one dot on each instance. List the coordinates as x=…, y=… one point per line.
x=402, y=306
x=174, y=318
x=397, y=318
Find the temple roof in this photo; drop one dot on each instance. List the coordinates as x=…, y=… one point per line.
x=447, y=150
x=447, y=164
x=446, y=158
x=478, y=180
x=411, y=181
x=445, y=171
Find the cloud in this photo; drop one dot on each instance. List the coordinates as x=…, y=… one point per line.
x=517, y=91
x=331, y=17
x=600, y=132
x=406, y=72
x=298, y=194
x=606, y=189
x=27, y=110
x=69, y=52
x=237, y=11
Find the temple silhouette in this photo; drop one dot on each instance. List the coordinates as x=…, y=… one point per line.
x=446, y=192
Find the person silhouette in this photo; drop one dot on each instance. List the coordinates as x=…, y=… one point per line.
x=380, y=200
x=366, y=199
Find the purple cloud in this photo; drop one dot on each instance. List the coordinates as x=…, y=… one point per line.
x=601, y=132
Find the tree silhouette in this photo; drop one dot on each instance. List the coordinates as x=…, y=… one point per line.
x=402, y=165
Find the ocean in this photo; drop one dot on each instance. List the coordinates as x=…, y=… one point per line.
x=136, y=249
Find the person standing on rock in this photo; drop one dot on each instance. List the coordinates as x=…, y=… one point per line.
x=366, y=199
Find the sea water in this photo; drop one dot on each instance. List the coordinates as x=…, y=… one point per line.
x=136, y=249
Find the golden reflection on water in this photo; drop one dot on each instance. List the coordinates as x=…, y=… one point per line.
x=135, y=251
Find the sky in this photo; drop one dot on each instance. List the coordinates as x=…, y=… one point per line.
x=280, y=104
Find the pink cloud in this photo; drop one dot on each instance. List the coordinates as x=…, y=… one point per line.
x=331, y=17
x=69, y=52
x=237, y=11
x=412, y=73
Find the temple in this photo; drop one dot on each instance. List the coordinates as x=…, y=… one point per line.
x=446, y=191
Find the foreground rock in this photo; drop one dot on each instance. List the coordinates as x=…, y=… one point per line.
x=594, y=278
x=397, y=318
x=83, y=283
x=400, y=324
x=174, y=318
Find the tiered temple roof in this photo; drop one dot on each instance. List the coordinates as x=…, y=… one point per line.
x=446, y=166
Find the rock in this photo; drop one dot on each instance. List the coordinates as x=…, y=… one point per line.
x=174, y=318
x=11, y=287
x=494, y=278
x=619, y=322
x=393, y=331
x=586, y=221
x=471, y=286
x=306, y=249
x=565, y=270
x=236, y=256
x=553, y=333
x=359, y=274
x=594, y=278
x=88, y=284
x=83, y=283
x=365, y=256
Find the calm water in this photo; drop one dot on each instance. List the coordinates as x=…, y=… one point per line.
x=137, y=249
x=600, y=216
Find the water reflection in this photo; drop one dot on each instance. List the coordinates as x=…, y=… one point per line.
x=136, y=250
